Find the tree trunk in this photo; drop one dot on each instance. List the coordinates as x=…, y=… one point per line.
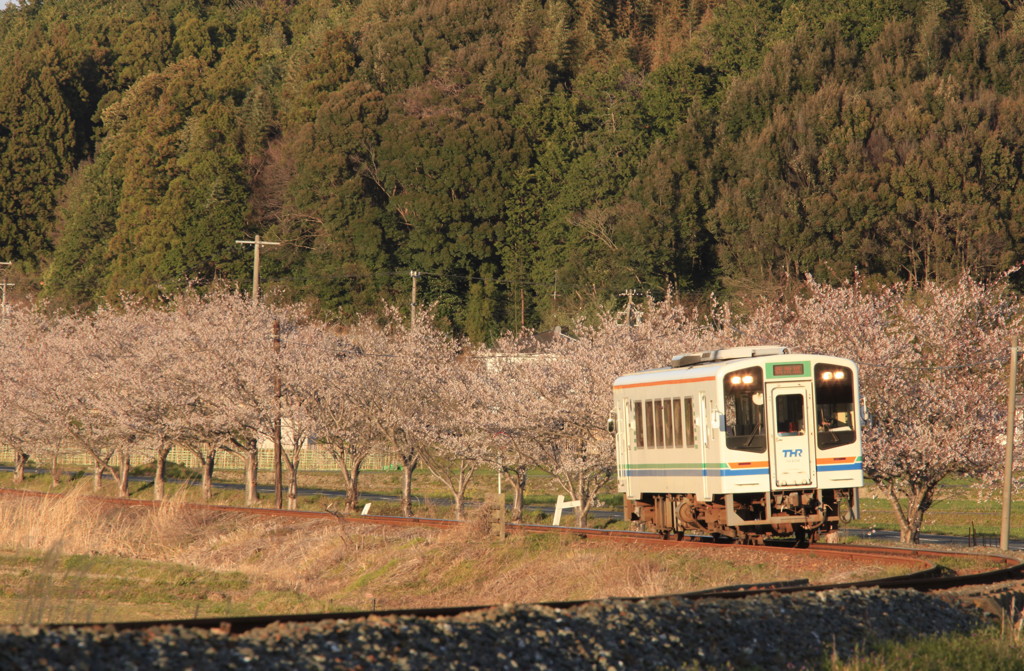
x=20, y=458
x=408, y=466
x=293, y=472
x=252, y=465
x=158, y=473
x=122, y=476
x=207, y=461
x=583, y=496
x=54, y=473
x=352, y=485
x=293, y=494
x=97, y=475
x=912, y=519
x=458, y=501
x=459, y=485
x=293, y=481
x=909, y=536
x=920, y=497
x=517, y=478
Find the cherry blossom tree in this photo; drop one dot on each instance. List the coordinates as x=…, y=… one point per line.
x=437, y=411
x=398, y=393
x=495, y=416
x=141, y=395
x=21, y=334
x=307, y=364
x=84, y=357
x=232, y=368
x=332, y=375
x=204, y=424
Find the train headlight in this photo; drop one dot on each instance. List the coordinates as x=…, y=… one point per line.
x=826, y=376
x=747, y=379
x=840, y=375
x=735, y=379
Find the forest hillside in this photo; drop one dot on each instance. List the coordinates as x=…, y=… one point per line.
x=530, y=158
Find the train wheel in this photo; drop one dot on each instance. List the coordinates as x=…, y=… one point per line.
x=749, y=538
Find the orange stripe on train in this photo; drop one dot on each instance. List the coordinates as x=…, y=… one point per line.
x=662, y=382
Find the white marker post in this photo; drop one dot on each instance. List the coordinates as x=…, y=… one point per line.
x=560, y=505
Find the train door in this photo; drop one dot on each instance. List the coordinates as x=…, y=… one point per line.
x=703, y=440
x=626, y=442
x=619, y=425
x=791, y=429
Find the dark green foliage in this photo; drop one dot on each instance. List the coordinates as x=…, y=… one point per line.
x=531, y=158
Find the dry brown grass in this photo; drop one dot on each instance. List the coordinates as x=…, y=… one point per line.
x=175, y=561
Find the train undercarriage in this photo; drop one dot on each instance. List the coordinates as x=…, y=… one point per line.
x=807, y=514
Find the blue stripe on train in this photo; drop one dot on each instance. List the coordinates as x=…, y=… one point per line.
x=676, y=472
x=842, y=467
x=723, y=472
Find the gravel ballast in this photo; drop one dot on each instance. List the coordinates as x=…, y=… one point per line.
x=771, y=632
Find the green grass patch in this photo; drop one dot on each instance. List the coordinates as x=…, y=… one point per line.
x=368, y=577
x=952, y=516
x=984, y=650
x=48, y=587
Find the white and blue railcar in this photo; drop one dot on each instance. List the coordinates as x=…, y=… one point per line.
x=745, y=442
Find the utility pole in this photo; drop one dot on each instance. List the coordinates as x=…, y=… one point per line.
x=3, y=288
x=522, y=309
x=257, y=243
x=277, y=414
x=1011, y=421
x=629, y=305
x=3, y=298
x=414, y=274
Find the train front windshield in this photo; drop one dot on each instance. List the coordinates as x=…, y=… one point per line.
x=744, y=410
x=835, y=405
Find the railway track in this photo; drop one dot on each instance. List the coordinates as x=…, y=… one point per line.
x=923, y=565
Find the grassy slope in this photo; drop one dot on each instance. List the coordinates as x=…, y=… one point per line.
x=72, y=559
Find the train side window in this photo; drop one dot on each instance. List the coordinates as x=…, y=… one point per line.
x=834, y=406
x=659, y=423
x=664, y=426
x=638, y=423
x=649, y=424
x=744, y=410
x=677, y=423
x=689, y=421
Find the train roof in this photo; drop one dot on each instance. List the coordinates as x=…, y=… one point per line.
x=716, y=355
x=709, y=363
